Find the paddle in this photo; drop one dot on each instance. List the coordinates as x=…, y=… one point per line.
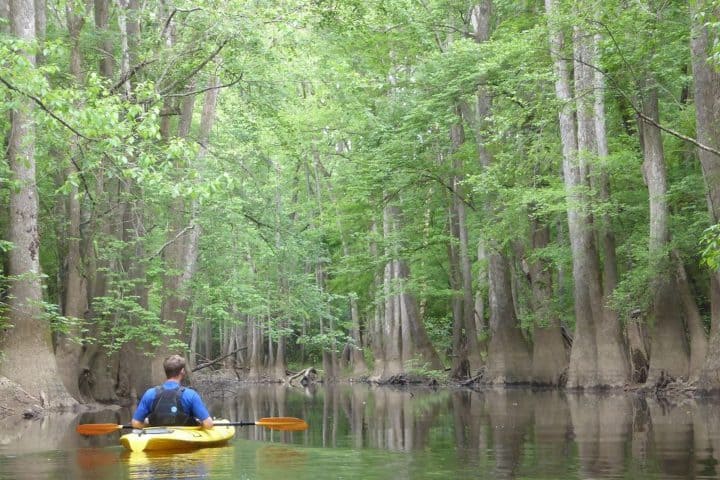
x=287, y=424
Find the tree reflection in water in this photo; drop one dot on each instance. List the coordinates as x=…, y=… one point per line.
x=381, y=432
x=504, y=431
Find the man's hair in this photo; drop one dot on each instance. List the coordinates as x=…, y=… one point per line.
x=173, y=365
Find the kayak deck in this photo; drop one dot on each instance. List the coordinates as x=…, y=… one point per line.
x=177, y=438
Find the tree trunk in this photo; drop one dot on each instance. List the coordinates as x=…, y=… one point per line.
x=182, y=253
x=27, y=354
x=4, y=13
x=329, y=353
x=466, y=350
x=392, y=341
x=605, y=231
x=669, y=349
x=598, y=356
x=75, y=304
x=357, y=357
x=102, y=23
x=405, y=338
x=99, y=367
x=693, y=321
x=508, y=353
x=707, y=119
x=377, y=340
x=549, y=356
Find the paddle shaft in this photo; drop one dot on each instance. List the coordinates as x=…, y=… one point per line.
x=274, y=423
x=224, y=424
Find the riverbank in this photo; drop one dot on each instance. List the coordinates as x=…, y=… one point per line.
x=16, y=402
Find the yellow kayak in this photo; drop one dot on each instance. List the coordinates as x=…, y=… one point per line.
x=177, y=438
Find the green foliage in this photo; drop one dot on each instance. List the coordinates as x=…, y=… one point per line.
x=415, y=367
x=710, y=242
x=332, y=111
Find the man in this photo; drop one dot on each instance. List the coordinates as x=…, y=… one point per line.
x=171, y=403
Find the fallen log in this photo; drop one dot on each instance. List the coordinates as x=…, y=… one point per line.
x=307, y=376
x=217, y=360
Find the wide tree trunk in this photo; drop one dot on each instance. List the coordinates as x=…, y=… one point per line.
x=598, y=356
x=27, y=356
x=669, y=347
x=404, y=335
x=549, y=355
x=508, y=353
x=707, y=118
x=693, y=320
x=613, y=365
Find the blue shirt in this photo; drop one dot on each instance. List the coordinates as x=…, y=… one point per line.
x=190, y=401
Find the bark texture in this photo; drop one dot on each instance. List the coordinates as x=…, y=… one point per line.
x=669, y=348
x=466, y=350
x=75, y=285
x=508, y=353
x=28, y=358
x=404, y=338
x=599, y=355
x=707, y=119
x=549, y=356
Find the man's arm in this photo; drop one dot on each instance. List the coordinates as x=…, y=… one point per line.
x=143, y=410
x=199, y=410
x=137, y=424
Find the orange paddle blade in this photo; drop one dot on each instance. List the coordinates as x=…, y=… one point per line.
x=98, y=428
x=288, y=424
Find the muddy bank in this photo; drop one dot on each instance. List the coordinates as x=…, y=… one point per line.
x=17, y=403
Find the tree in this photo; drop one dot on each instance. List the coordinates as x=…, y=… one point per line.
x=598, y=356
x=27, y=354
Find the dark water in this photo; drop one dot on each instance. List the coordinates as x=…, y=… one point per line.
x=359, y=432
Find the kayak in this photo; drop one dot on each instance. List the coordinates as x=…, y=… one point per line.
x=177, y=438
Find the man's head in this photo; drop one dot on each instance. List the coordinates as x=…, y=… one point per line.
x=174, y=365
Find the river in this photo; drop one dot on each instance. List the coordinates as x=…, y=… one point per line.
x=363, y=432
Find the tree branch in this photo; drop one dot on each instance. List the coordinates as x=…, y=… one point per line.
x=196, y=69
x=171, y=241
x=644, y=117
x=130, y=74
x=44, y=108
x=203, y=90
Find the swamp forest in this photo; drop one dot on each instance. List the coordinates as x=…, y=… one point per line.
x=488, y=192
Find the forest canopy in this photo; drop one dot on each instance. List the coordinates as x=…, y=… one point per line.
x=507, y=192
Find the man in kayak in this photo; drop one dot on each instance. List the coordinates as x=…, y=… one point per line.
x=170, y=403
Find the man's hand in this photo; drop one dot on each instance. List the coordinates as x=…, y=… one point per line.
x=138, y=424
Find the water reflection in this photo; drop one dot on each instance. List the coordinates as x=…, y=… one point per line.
x=187, y=465
x=370, y=432
x=508, y=433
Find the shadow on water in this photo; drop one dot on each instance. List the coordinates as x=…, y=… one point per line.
x=369, y=432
